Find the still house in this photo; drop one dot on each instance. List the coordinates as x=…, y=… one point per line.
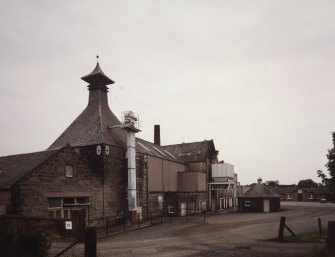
x=98, y=166
x=259, y=198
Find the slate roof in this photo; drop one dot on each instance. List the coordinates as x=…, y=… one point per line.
x=294, y=189
x=97, y=77
x=152, y=149
x=192, y=152
x=259, y=191
x=92, y=125
x=15, y=167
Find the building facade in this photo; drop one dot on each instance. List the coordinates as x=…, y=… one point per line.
x=86, y=168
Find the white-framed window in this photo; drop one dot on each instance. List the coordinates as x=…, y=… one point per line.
x=203, y=205
x=61, y=207
x=68, y=171
x=160, y=202
x=247, y=203
x=288, y=197
x=192, y=207
x=171, y=209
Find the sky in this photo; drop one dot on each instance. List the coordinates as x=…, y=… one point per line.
x=257, y=77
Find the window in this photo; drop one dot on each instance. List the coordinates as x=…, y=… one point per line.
x=192, y=207
x=68, y=171
x=311, y=197
x=203, y=205
x=119, y=214
x=61, y=207
x=160, y=202
x=247, y=203
x=171, y=208
x=55, y=202
x=81, y=200
x=289, y=197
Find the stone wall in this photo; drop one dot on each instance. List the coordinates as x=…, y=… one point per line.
x=5, y=201
x=30, y=194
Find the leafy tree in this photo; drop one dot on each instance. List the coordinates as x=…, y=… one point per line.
x=330, y=182
x=272, y=183
x=307, y=183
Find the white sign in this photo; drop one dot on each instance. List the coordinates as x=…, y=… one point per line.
x=68, y=224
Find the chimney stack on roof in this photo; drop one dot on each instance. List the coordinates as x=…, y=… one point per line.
x=157, y=135
x=259, y=181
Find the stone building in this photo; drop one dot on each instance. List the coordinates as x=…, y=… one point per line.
x=85, y=168
x=259, y=198
x=294, y=193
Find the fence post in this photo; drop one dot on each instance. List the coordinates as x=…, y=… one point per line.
x=281, y=228
x=330, y=241
x=204, y=216
x=320, y=226
x=91, y=242
x=161, y=216
x=124, y=223
x=106, y=226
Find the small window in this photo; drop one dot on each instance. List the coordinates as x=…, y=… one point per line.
x=55, y=202
x=69, y=171
x=82, y=200
x=289, y=197
x=203, y=205
x=69, y=201
x=171, y=209
x=160, y=202
x=192, y=207
x=119, y=214
x=247, y=203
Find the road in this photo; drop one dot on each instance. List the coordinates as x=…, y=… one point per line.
x=226, y=234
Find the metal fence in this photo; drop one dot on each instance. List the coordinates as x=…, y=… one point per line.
x=111, y=225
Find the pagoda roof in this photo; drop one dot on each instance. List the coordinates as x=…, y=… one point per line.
x=97, y=77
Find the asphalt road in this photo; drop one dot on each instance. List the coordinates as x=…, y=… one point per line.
x=225, y=234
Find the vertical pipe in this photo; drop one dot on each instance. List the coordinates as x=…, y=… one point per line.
x=132, y=201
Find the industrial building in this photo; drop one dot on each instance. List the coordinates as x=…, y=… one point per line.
x=99, y=166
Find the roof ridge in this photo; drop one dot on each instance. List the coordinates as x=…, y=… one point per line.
x=47, y=150
x=203, y=141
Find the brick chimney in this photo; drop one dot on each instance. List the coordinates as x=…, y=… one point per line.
x=157, y=135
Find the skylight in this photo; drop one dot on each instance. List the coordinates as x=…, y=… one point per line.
x=159, y=151
x=170, y=154
x=146, y=148
x=184, y=154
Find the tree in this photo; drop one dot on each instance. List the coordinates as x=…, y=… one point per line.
x=330, y=182
x=272, y=183
x=307, y=183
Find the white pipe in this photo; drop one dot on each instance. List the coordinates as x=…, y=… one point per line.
x=131, y=152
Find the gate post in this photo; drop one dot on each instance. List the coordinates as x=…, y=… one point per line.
x=91, y=242
x=281, y=228
x=330, y=242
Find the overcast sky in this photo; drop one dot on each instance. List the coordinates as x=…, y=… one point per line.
x=257, y=77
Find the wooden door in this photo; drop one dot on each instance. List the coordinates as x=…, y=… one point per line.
x=266, y=205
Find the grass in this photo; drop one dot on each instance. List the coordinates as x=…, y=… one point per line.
x=320, y=251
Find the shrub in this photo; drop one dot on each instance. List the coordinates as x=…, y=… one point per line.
x=21, y=243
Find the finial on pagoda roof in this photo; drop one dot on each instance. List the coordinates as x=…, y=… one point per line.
x=97, y=77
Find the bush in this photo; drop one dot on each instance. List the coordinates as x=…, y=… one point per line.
x=16, y=243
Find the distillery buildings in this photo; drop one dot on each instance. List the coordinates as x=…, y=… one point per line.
x=98, y=166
